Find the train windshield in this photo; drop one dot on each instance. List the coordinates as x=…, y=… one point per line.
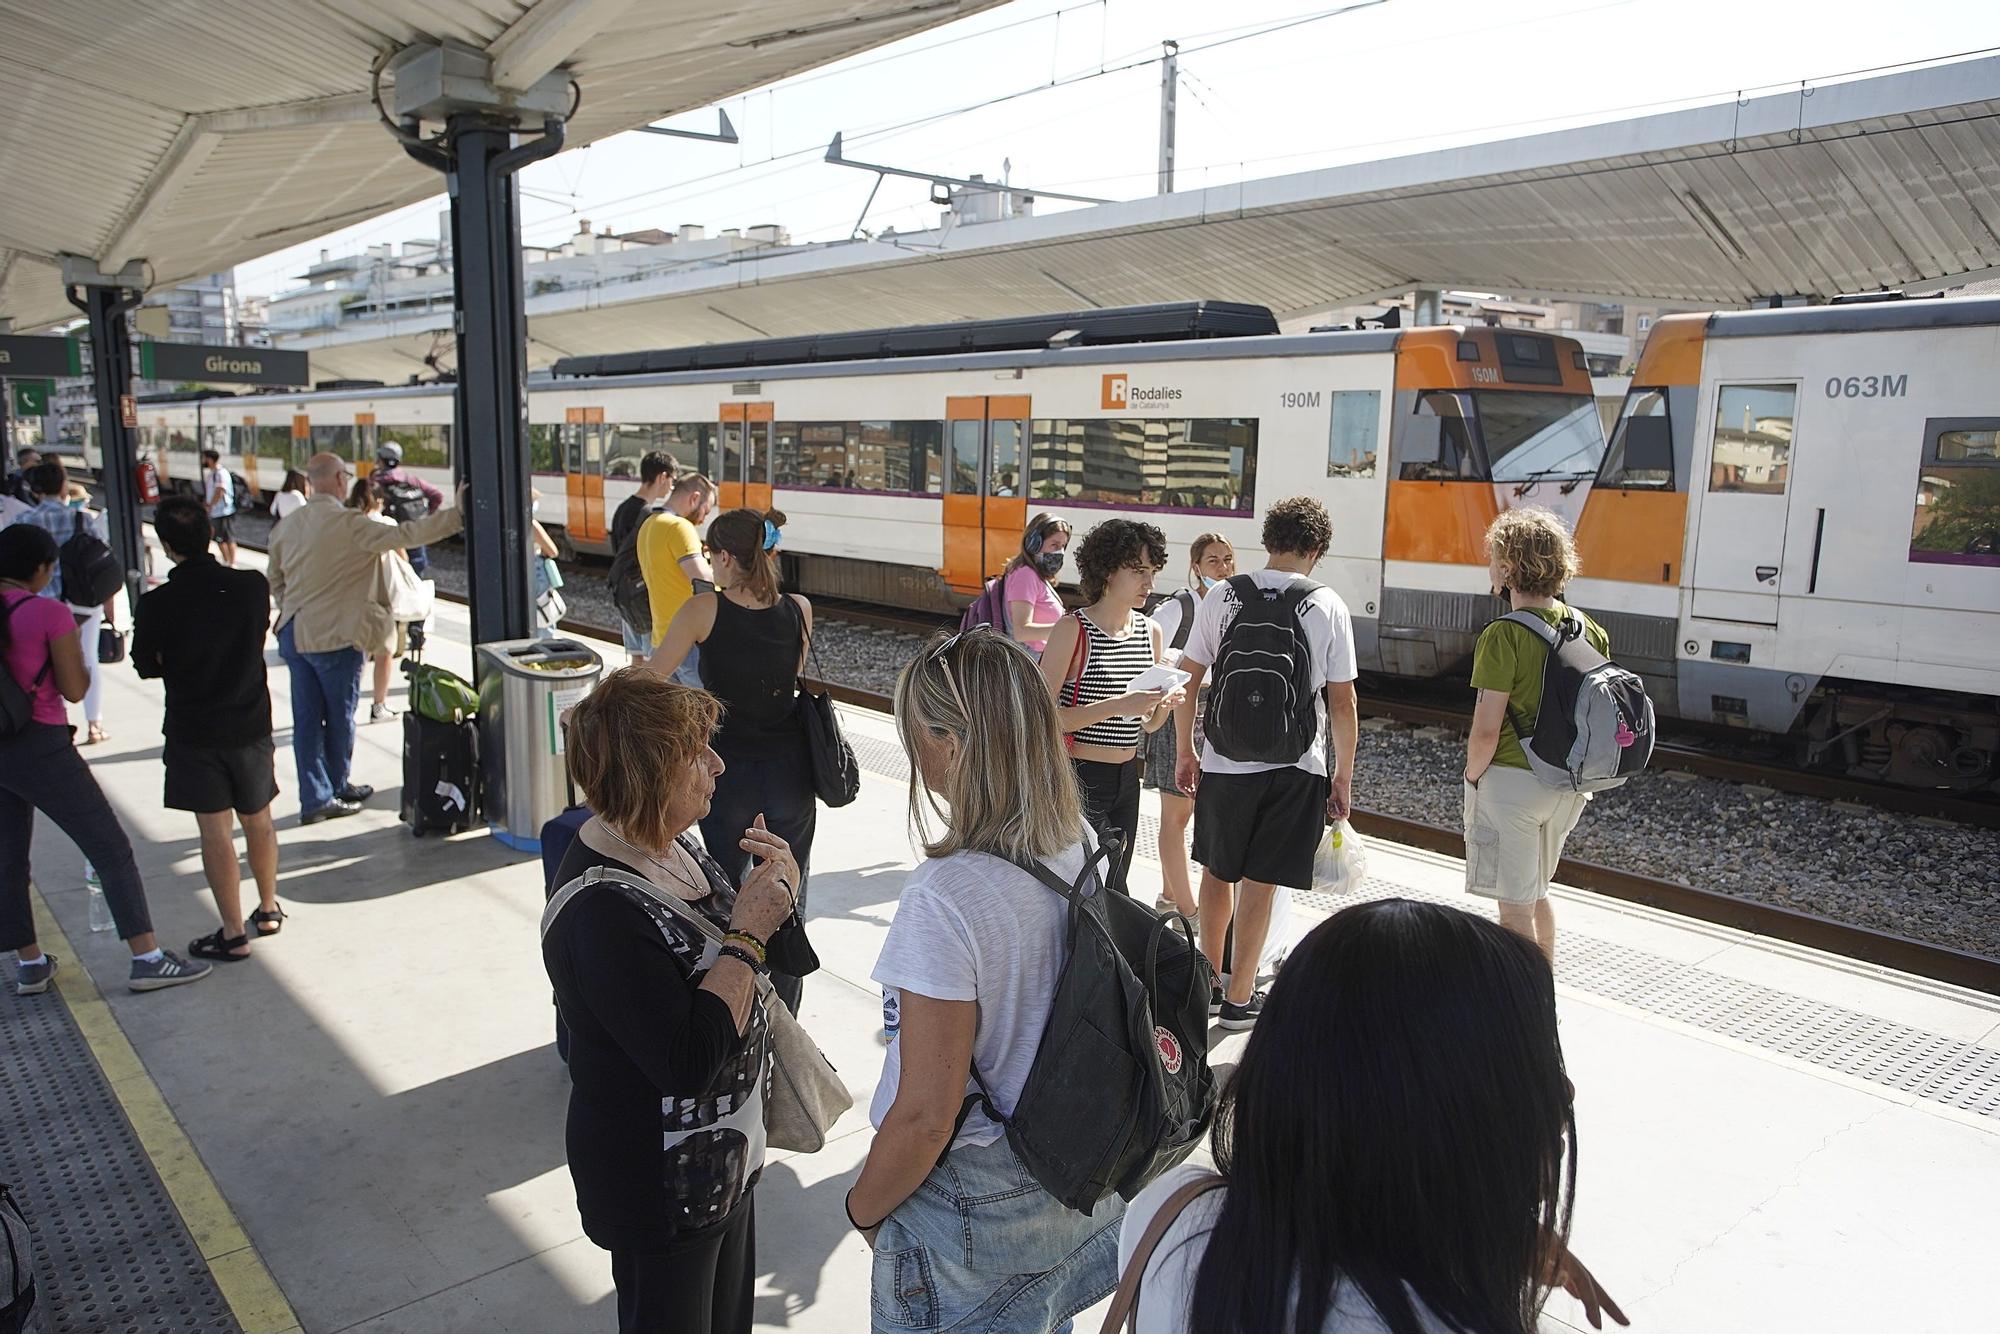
x=1529, y=436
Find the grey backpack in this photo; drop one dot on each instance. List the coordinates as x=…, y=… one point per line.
x=17, y=1267
x=1596, y=724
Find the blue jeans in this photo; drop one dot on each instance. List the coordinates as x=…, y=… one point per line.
x=326, y=688
x=689, y=672
x=420, y=560
x=981, y=1247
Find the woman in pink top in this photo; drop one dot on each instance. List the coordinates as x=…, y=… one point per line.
x=41, y=770
x=1032, y=606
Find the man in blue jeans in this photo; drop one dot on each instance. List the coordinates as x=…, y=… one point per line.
x=324, y=564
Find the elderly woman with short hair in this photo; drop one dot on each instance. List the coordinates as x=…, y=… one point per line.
x=669, y=1048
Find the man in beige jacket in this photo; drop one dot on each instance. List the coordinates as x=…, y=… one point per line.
x=324, y=564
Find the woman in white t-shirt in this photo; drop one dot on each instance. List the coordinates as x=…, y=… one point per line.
x=1390, y=1151
x=291, y=496
x=964, y=1238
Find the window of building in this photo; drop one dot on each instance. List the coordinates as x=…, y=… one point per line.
x=1753, y=438
x=1957, y=519
x=1207, y=463
x=423, y=446
x=1641, y=453
x=892, y=456
x=1354, y=436
x=1645, y=322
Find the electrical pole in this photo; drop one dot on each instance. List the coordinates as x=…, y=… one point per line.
x=1169, y=88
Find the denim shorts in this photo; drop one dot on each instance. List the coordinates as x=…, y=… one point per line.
x=636, y=641
x=982, y=1249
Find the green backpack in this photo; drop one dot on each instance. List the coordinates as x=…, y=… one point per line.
x=441, y=696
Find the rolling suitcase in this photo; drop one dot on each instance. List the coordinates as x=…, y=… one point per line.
x=440, y=774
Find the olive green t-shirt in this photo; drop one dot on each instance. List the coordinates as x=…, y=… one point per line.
x=1509, y=658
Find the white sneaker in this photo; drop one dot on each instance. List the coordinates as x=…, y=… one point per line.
x=380, y=713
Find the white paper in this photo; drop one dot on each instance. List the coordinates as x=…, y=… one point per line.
x=1158, y=678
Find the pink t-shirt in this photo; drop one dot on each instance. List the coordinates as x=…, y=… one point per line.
x=1027, y=585
x=34, y=625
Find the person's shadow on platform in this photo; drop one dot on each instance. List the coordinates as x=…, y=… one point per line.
x=814, y=1223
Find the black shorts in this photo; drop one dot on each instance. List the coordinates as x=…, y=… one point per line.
x=205, y=779
x=223, y=526
x=1264, y=827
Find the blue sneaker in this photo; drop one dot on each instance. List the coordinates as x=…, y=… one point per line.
x=32, y=979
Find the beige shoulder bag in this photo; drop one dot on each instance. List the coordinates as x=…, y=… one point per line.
x=1124, y=1312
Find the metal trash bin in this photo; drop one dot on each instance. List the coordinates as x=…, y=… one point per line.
x=524, y=687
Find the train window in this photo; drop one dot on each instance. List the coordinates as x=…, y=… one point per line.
x=625, y=443
x=1003, y=458
x=1353, y=438
x=894, y=456
x=1437, y=443
x=1206, y=463
x=341, y=440
x=1753, y=438
x=964, y=461
x=275, y=442
x=1531, y=436
x=1641, y=453
x=545, y=447
x=732, y=453
x=423, y=446
x=1957, y=518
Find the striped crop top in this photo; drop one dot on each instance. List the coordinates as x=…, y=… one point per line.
x=1108, y=671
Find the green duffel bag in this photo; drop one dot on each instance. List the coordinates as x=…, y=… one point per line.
x=439, y=695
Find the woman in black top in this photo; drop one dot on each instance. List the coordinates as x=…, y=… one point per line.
x=753, y=642
x=669, y=1049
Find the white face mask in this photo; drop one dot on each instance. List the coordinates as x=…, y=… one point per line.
x=1208, y=583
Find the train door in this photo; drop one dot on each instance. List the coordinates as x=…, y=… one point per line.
x=743, y=473
x=583, y=475
x=985, y=486
x=1739, y=559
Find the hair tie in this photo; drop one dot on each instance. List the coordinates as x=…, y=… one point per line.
x=770, y=536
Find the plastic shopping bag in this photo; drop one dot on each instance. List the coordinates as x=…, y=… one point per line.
x=1342, y=861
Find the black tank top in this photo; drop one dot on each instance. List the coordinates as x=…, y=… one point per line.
x=750, y=661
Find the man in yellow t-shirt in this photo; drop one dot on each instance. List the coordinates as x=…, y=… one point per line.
x=671, y=562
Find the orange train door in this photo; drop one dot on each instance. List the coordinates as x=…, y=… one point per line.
x=743, y=474
x=985, y=486
x=583, y=475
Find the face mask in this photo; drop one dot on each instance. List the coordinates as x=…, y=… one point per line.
x=1050, y=563
x=1208, y=583
x=79, y=502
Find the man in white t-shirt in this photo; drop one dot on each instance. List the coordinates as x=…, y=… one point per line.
x=218, y=494
x=1259, y=824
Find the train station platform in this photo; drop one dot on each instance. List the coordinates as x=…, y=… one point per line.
x=362, y=1128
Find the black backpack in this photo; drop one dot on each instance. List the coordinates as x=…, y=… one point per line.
x=91, y=574
x=402, y=500
x=628, y=581
x=1188, y=608
x=1260, y=700
x=17, y=702
x=1120, y=1088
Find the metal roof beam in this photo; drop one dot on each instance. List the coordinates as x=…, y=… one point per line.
x=342, y=109
x=547, y=35
x=190, y=148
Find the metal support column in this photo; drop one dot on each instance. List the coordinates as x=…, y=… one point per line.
x=1169, y=96
x=111, y=374
x=1427, y=307
x=490, y=402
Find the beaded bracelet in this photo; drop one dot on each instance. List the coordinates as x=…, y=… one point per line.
x=742, y=956
x=749, y=942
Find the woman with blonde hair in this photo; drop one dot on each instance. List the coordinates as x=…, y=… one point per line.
x=668, y=1048
x=964, y=1238
x=753, y=639
x=1515, y=824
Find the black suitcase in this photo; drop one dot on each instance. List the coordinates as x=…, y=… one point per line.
x=440, y=774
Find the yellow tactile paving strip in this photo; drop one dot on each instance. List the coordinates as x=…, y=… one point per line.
x=253, y=1296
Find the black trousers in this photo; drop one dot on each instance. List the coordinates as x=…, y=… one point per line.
x=1111, y=804
x=41, y=770
x=701, y=1288
x=779, y=788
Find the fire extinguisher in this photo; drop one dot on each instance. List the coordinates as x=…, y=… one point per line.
x=148, y=478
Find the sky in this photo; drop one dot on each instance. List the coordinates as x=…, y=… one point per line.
x=1068, y=93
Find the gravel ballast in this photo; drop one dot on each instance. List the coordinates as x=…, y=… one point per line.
x=1930, y=880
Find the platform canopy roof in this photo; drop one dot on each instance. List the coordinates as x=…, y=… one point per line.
x=197, y=134
x=1887, y=181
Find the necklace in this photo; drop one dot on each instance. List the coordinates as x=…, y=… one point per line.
x=702, y=891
